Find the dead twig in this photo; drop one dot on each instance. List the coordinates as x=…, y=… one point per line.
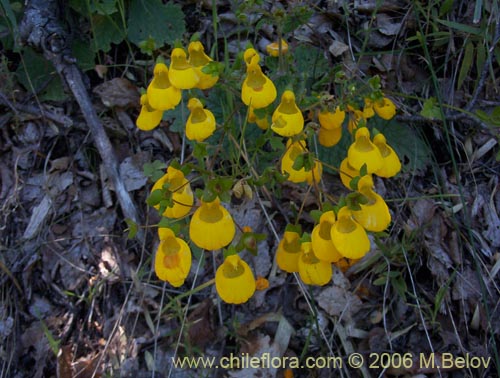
x=41, y=28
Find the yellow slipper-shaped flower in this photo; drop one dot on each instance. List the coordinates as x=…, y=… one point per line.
x=331, y=120
x=329, y=138
x=347, y=173
x=182, y=195
x=234, y=280
x=287, y=118
x=391, y=163
x=249, y=54
x=348, y=236
x=182, y=75
x=385, y=108
x=368, y=111
x=211, y=226
x=257, y=90
x=173, y=258
x=363, y=151
x=293, y=150
x=288, y=252
x=162, y=95
x=201, y=122
x=321, y=239
x=273, y=49
x=374, y=216
x=313, y=271
x=148, y=118
x=198, y=59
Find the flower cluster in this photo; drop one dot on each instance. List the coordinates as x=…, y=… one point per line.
x=164, y=92
x=341, y=234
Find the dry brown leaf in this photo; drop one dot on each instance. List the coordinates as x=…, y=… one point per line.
x=118, y=92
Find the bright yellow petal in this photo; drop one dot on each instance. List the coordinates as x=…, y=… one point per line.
x=331, y=120
x=287, y=254
x=172, y=260
x=368, y=111
x=234, y=280
x=349, y=237
x=161, y=94
x=347, y=173
x=211, y=226
x=363, y=151
x=321, y=239
x=198, y=59
x=257, y=90
x=294, y=149
x=391, y=163
x=385, y=108
x=287, y=118
x=313, y=271
x=182, y=74
x=182, y=195
x=273, y=49
x=148, y=118
x=201, y=122
x=329, y=138
x=374, y=216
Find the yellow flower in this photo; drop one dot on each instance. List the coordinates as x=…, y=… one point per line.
x=329, y=138
x=262, y=123
x=162, y=95
x=363, y=151
x=391, y=163
x=173, y=258
x=274, y=50
x=288, y=252
x=374, y=216
x=182, y=74
x=200, y=123
x=347, y=173
x=287, y=118
x=148, y=118
x=331, y=120
x=313, y=271
x=257, y=90
x=348, y=236
x=211, y=226
x=368, y=111
x=293, y=150
x=249, y=54
x=356, y=118
x=198, y=59
x=385, y=108
x=234, y=280
x=321, y=239
x=182, y=195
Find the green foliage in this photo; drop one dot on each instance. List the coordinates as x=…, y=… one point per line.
x=151, y=19
x=38, y=76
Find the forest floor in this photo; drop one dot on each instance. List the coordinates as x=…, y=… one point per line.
x=81, y=299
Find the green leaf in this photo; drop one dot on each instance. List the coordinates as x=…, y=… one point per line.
x=84, y=54
x=316, y=214
x=155, y=197
x=276, y=143
x=466, y=63
x=445, y=7
x=461, y=27
x=430, y=109
x=151, y=18
x=154, y=170
x=40, y=77
x=412, y=150
x=106, y=31
x=298, y=163
x=132, y=228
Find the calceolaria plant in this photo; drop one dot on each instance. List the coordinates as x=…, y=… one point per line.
x=291, y=125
